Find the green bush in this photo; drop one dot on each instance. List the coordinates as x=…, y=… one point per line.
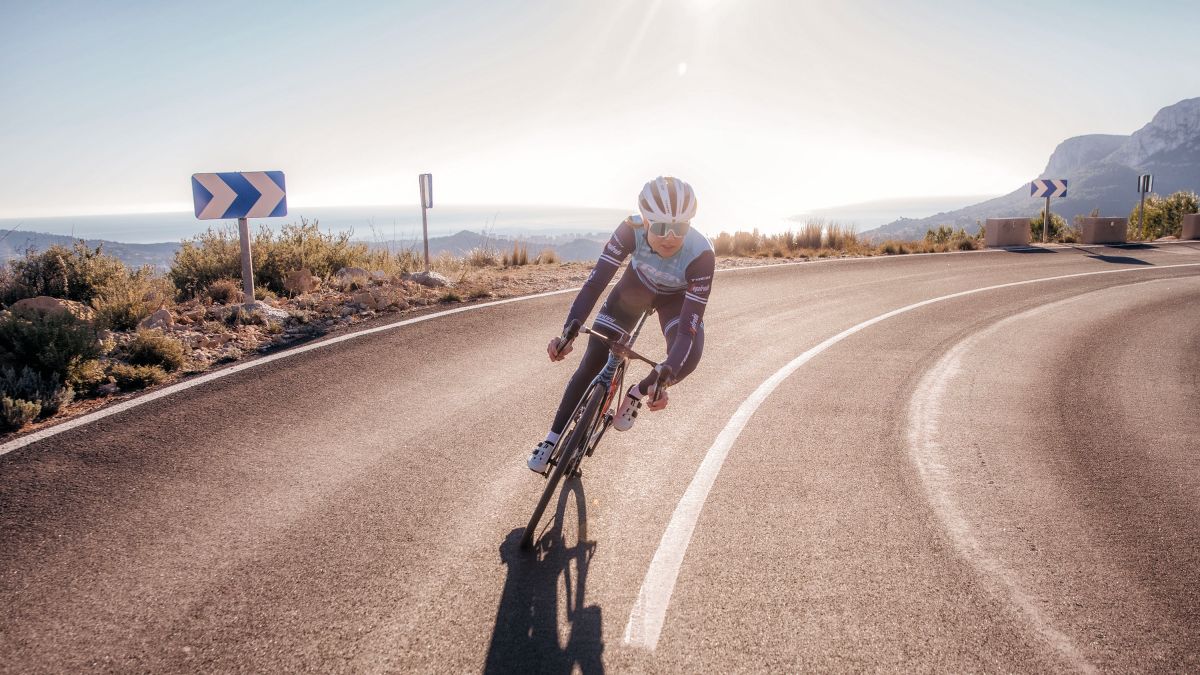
x=49, y=393
x=78, y=273
x=303, y=246
x=1164, y=215
x=1058, y=225
x=216, y=254
x=16, y=413
x=130, y=377
x=153, y=348
x=209, y=256
x=49, y=343
x=86, y=377
x=129, y=299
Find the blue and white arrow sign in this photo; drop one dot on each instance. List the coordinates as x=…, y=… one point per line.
x=239, y=194
x=1048, y=188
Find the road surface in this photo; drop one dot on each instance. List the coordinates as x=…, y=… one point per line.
x=1000, y=476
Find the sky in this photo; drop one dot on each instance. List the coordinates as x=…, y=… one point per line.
x=768, y=107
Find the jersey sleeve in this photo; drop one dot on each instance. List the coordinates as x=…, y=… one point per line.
x=695, y=299
x=618, y=248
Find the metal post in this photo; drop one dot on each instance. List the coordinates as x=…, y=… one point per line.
x=425, y=229
x=247, y=265
x=1046, y=221
x=424, y=218
x=1142, y=215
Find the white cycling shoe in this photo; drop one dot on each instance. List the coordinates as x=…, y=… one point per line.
x=628, y=412
x=540, y=457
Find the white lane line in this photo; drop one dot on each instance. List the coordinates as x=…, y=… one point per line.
x=930, y=459
x=650, y=609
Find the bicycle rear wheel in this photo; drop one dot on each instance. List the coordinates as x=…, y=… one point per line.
x=573, y=443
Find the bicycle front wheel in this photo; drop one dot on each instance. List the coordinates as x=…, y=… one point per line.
x=573, y=442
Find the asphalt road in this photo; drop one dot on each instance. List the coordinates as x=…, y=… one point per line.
x=1005, y=480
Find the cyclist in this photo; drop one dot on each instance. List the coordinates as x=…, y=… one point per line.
x=671, y=271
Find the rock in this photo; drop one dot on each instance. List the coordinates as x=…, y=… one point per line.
x=300, y=281
x=215, y=341
x=161, y=320
x=108, y=389
x=44, y=304
x=380, y=298
x=379, y=276
x=269, y=312
x=431, y=279
x=352, y=277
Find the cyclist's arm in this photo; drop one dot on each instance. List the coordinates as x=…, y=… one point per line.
x=699, y=278
x=615, y=251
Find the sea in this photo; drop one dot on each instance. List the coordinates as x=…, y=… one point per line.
x=366, y=223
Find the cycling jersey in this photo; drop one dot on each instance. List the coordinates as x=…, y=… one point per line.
x=686, y=275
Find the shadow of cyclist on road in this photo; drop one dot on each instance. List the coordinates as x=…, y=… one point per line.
x=527, y=636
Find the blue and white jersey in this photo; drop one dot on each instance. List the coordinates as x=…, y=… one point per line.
x=665, y=275
x=686, y=276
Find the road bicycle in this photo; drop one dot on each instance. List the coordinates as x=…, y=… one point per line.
x=591, y=418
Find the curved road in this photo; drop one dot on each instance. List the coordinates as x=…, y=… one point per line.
x=1000, y=480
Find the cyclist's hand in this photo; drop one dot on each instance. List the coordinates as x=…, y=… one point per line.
x=657, y=400
x=559, y=348
x=655, y=384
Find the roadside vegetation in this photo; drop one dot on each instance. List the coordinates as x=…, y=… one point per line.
x=77, y=325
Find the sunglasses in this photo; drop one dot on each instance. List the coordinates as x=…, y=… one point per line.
x=661, y=229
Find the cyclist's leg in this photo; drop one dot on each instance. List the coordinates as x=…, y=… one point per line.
x=628, y=299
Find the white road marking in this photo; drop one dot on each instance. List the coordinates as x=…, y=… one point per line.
x=650, y=609
x=929, y=457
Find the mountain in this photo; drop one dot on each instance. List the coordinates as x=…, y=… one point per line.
x=1102, y=170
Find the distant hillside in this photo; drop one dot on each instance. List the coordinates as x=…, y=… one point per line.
x=568, y=247
x=15, y=243
x=1102, y=170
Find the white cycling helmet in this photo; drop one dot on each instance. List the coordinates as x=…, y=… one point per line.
x=667, y=200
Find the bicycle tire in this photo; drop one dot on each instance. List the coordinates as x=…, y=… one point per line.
x=575, y=436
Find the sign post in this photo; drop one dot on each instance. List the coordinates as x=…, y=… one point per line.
x=1048, y=188
x=241, y=195
x=1145, y=184
x=426, y=181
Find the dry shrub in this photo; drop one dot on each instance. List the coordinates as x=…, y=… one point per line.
x=225, y=291
x=130, y=377
x=518, y=257
x=841, y=237
x=809, y=236
x=483, y=256
x=548, y=256
x=153, y=348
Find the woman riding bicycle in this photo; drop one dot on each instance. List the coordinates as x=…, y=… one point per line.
x=671, y=272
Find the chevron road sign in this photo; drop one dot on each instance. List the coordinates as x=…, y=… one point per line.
x=1048, y=188
x=237, y=194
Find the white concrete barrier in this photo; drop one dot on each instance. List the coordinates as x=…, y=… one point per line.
x=1191, y=226
x=1007, y=232
x=1103, y=230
